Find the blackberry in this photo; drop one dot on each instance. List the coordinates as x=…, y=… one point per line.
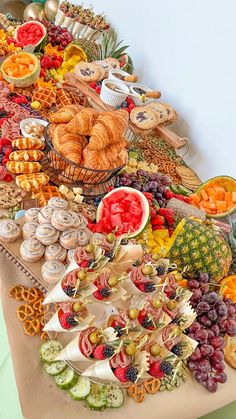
x=146, y=322
x=177, y=350
x=108, y=351
x=131, y=374
x=71, y=320
x=119, y=330
x=160, y=270
x=166, y=367
x=105, y=292
x=149, y=287
x=69, y=290
x=172, y=295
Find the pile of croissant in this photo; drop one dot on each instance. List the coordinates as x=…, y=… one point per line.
x=88, y=138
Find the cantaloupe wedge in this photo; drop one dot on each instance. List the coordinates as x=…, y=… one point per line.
x=204, y=195
x=221, y=206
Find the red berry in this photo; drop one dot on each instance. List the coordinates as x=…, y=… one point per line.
x=110, y=188
x=97, y=295
x=131, y=106
x=93, y=84
x=8, y=151
x=63, y=320
x=155, y=371
x=98, y=89
x=129, y=100
x=141, y=286
x=42, y=73
x=168, y=194
x=127, y=109
x=84, y=264
x=8, y=178
x=5, y=160
x=98, y=352
x=5, y=141
x=120, y=374
x=56, y=64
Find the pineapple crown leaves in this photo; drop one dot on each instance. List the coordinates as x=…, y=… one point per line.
x=109, y=46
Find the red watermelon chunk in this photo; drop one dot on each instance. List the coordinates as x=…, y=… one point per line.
x=116, y=220
x=115, y=208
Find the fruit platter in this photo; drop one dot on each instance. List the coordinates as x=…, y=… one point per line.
x=126, y=280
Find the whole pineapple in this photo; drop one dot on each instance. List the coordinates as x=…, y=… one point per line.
x=90, y=48
x=201, y=248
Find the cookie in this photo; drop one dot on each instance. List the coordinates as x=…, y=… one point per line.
x=189, y=178
x=171, y=114
x=160, y=111
x=144, y=118
x=10, y=196
x=88, y=72
x=230, y=351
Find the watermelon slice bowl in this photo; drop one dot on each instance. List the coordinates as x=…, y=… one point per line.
x=123, y=211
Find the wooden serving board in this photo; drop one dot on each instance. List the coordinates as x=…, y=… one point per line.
x=72, y=83
x=32, y=270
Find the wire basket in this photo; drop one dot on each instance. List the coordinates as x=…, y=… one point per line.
x=64, y=171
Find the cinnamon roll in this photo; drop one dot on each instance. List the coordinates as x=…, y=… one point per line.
x=45, y=214
x=62, y=220
x=55, y=252
x=58, y=203
x=9, y=231
x=69, y=238
x=31, y=250
x=78, y=220
x=83, y=237
x=47, y=234
x=52, y=271
x=29, y=229
x=31, y=215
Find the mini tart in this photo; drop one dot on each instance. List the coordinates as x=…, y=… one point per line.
x=9, y=231
x=29, y=229
x=31, y=250
x=52, y=271
x=55, y=252
x=45, y=215
x=88, y=72
x=161, y=111
x=31, y=215
x=58, y=203
x=47, y=234
x=69, y=238
x=62, y=220
x=144, y=118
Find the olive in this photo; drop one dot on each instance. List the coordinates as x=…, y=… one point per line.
x=111, y=237
x=147, y=270
x=131, y=349
x=113, y=281
x=155, y=349
x=133, y=313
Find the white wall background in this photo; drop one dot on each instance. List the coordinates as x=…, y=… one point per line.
x=187, y=49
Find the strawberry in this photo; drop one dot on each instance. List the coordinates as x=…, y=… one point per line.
x=155, y=371
x=158, y=220
x=120, y=374
x=5, y=141
x=131, y=106
x=84, y=264
x=98, y=89
x=129, y=100
x=166, y=212
x=4, y=161
x=56, y=64
x=42, y=73
x=168, y=194
x=148, y=195
x=8, y=151
x=8, y=178
x=67, y=320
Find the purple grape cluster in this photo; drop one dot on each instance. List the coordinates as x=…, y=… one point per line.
x=57, y=35
x=143, y=181
x=215, y=317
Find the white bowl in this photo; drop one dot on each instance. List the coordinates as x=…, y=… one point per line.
x=137, y=100
x=112, y=76
x=110, y=97
x=27, y=121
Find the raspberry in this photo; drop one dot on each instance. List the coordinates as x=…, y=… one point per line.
x=8, y=151
x=4, y=161
x=120, y=374
x=103, y=352
x=5, y=141
x=67, y=320
x=155, y=371
x=97, y=295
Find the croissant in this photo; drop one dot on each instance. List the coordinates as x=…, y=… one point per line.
x=72, y=149
x=28, y=144
x=32, y=182
x=108, y=129
x=56, y=161
x=83, y=122
x=27, y=155
x=57, y=131
x=65, y=114
x=23, y=167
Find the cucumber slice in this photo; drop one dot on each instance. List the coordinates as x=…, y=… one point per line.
x=49, y=350
x=81, y=390
x=115, y=396
x=97, y=399
x=174, y=188
x=66, y=379
x=55, y=368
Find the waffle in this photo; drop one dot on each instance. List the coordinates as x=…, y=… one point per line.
x=63, y=98
x=45, y=193
x=32, y=182
x=45, y=96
